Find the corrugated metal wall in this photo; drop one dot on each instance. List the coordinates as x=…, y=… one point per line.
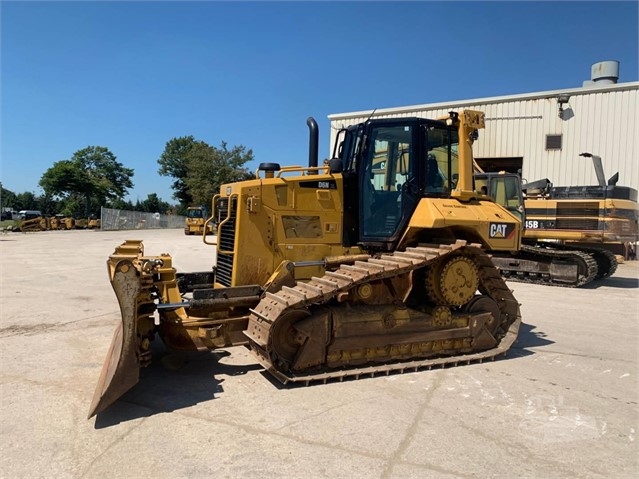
x=601, y=121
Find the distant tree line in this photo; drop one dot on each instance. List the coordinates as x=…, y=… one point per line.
x=93, y=178
x=77, y=209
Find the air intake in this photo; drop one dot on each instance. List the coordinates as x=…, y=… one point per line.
x=603, y=73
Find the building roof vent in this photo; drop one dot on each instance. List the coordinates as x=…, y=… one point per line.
x=603, y=73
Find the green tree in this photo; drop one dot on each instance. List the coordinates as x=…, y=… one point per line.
x=26, y=201
x=7, y=198
x=93, y=174
x=48, y=205
x=74, y=206
x=200, y=169
x=153, y=204
x=120, y=204
x=173, y=163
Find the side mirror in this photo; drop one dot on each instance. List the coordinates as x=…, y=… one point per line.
x=335, y=165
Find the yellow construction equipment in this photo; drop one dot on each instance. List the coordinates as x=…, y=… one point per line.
x=80, y=223
x=195, y=219
x=570, y=232
x=35, y=221
x=30, y=222
x=94, y=223
x=61, y=222
x=375, y=262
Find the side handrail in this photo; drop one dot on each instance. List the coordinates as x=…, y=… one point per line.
x=222, y=223
x=305, y=170
x=206, y=223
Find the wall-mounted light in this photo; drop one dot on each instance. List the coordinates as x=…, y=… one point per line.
x=561, y=101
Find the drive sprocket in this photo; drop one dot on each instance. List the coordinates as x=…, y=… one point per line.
x=453, y=280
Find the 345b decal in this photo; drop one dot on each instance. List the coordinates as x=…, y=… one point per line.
x=536, y=224
x=501, y=230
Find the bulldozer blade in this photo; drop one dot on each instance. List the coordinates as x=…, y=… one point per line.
x=121, y=369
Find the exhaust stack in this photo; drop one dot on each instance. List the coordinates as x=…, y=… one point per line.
x=596, y=162
x=313, y=143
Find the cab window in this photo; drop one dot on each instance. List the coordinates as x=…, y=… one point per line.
x=441, y=163
x=386, y=171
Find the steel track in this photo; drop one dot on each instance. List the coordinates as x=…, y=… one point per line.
x=556, y=252
x=321, y=290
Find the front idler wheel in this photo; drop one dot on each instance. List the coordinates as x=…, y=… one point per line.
x=285, y=339
x=485, y=304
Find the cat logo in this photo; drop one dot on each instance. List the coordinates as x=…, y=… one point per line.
x=501, y=230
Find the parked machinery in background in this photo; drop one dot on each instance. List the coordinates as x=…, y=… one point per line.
x=570, y=232
x=61, y=222
x=194, y=222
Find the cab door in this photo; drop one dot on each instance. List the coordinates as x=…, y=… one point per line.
x=386, y=180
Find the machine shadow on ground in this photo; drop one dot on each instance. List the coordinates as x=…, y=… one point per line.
x=614, y=282
x=176, y=381
x=527, y=339
x=173, y=381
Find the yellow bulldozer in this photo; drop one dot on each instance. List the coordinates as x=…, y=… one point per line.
x=570, y=232
x=35, y=221
x=378, y=261
x=194, y=222
x=61, y=222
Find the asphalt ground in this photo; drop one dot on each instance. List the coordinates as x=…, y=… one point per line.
x=561, y=404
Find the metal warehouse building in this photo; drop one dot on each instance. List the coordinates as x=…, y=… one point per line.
x=542, y=134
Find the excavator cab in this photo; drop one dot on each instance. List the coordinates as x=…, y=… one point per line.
x=504, y=189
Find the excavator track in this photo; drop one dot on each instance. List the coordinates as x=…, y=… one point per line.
x=442, y=347
x=606, y=262
x=518, y=269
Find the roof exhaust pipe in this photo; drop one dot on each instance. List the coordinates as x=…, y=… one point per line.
x=596, y=162
x=313, y=144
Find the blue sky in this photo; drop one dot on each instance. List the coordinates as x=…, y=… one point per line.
x=132, y=75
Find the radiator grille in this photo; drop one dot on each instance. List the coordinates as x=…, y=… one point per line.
x=578, y=208
x=591, y=224
x=226, y=241
x=578, y=215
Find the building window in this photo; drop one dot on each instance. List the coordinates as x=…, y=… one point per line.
x=553, y=142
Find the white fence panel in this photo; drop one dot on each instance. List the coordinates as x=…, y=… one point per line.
x=113, y=220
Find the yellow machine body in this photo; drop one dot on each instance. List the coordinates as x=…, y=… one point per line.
x=588, y=220
x=279, y=220
x=194, y=221
x=374, y=259
x=571, y=234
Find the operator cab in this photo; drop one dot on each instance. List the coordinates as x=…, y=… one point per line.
x=388, y=166
x=194, y=212
x=504, y=189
